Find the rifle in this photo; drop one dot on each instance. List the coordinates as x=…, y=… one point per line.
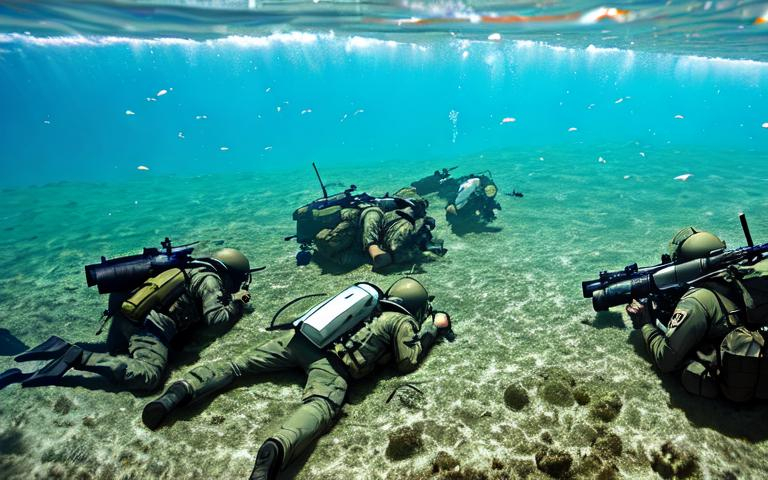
x=668, y=280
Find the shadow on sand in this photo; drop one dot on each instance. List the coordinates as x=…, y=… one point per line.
x=746, y=421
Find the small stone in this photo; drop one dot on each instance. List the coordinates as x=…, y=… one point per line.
x=403, y=443
x=89, y=421
x=515, y=397
x=581, y=395
x=63, y=405
x=673, y=462
x=557, y=393
x=607, y=408
x=443, y=462
x=546, y=437
x=553, y=462
x=464, y=474
x=497, y=464
x=608, y=472
x=217, y=419
x=608, y=445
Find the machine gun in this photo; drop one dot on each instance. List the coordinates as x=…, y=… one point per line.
x=124, y=273
x=325, y=212
x=668, y=280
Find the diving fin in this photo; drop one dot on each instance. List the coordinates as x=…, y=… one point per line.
x=13, y=375
x=55, y=369
x=52, y=348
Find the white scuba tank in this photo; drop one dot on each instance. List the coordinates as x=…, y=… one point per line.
x=326, y=322
x=465, y=190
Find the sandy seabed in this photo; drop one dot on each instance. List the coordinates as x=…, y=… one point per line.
x=534, y=377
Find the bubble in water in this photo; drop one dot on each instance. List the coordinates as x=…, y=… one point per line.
x=453, y=116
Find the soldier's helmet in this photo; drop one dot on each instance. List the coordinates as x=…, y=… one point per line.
x=234, y=262
x=690, y=243
x=411, y=295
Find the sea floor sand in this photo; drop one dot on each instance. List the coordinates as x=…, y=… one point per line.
x=534, y=372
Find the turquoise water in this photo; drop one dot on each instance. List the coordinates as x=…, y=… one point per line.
x=378, y=109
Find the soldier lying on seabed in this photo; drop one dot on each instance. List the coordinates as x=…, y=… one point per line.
x=350, y=228
x=339, y=341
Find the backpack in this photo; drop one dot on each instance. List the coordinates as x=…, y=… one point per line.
x=155, y=293
x=743, y=372
x=752, y=283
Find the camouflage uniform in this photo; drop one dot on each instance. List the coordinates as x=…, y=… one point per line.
x=700, y=321
x=392, y=337
x=205, y=302
x=367, y=225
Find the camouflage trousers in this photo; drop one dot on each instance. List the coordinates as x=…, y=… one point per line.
x=147, y=352
x=324, y=392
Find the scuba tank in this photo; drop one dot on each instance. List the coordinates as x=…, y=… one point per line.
x=332, y=319
x=465, y=191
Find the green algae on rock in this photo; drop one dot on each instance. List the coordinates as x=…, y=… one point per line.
x=404, y=442
x=607, y=408
x=516, y=397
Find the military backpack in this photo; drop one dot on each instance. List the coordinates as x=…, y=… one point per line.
x=156, y=293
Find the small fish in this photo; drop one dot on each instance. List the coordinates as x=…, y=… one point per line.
x=224, y=149
x=627, y=177
x=679, y=117
x=143, y=168
x=765, y=125
x=268, y=90
x=601, y=160
x=161, y=93
x=494, y=37
x=201, y=117
x=47, y=122
x=761, y=20
x=268, y=148
x=129, y=112
x=278, y=109
x=180, y=135
x=642, y=154
x=464, y=54
x=572, y=129
x=515, y=194
x=306, y=111
x=508, y=120
x=684, y=177
x=619, y=100
x=151, y=99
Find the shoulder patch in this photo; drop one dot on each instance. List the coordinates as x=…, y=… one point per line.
x=677, y=318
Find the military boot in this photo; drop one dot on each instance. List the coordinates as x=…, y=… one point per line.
x=156, y=411
x=268, y=461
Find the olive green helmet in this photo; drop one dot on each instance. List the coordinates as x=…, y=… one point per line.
x=410, y=295
x=234, y=262
x=690, y=243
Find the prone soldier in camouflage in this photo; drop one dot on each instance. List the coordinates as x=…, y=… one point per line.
x=701, y=319
x=369, y=233
x=138, y=352
x=401, y=332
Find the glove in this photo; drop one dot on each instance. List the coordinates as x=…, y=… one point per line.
x=639, y=314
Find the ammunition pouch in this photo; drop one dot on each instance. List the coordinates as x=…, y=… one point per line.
x=743, y=366
x=157, y=293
